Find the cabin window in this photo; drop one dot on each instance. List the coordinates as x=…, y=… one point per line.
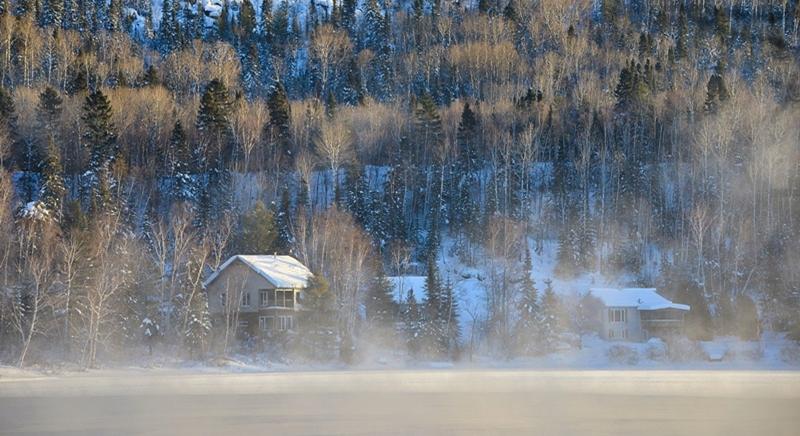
x=278, y=298
x=263, y=297
x=285, y=323
x=280, y=323
x=617, y=315
x=246, y=299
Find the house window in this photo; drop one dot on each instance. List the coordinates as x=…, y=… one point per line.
x=265, y=323
x=243, y=324
x=279, y=323
x=277, y=298
x=625, y=334
x=617, y=315
x=285, y=323
x=611, y=334
x=246, y=299
x=222, y=297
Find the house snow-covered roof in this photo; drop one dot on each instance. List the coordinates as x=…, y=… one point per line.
x=281, y=271
x=640, y=298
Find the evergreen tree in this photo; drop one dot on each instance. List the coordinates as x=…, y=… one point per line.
x=428, y=122
x=379, y=306
x=101, y=138
x=52, y=13
x=716, y=92
x=528, y=326
x=247, y=21
x=550, y=327
x=348, y=15
x=510, y=12
x=198, y=327
x=393, y=212
x=48, y=113
x=441, y=314
x=53, y=188
x=356, y=195
x=182, y=181
x=258, y=232
x=312, y=20
x=251, y=70
x=7, y=110
x=167, y=28
x=266, y=20
x=279, y=34
x=278, y=129
x=682, y=33
x=224, y=23
x=285, y=239
x=213, y=124
x=433, y=331
x=413, y=324
x=70, y=15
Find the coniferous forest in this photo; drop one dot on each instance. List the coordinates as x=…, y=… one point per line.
x=645, y=142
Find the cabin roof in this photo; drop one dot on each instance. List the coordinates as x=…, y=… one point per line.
x=640, y=298
x=280, y=271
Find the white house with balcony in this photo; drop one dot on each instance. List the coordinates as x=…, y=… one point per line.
x=259, y=294
x=638, y=314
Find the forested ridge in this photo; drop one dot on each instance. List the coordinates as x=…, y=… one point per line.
x=141, y=144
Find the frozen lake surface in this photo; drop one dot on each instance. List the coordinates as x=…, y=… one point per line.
x=447, y=402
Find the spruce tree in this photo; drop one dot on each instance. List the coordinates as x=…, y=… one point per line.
x=265, y=24
x=393, y=215
x=183, y=189
x=53, y=188
x=527, y=330
x=379, y=306
x=247, y=21
x=413, y=324
x=283, y=220
x=48, y=113
x=278, y=129
x=428, y=121
x=101, y=138
x=224, y=23
x=198, y=326
x=258, y=232
x=716, y=92
x=450, y=319
x=213, y=124
x=550, y=322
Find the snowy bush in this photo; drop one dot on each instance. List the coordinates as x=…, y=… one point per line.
x=683, y=349
x=656, y=349
x=623, y=354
